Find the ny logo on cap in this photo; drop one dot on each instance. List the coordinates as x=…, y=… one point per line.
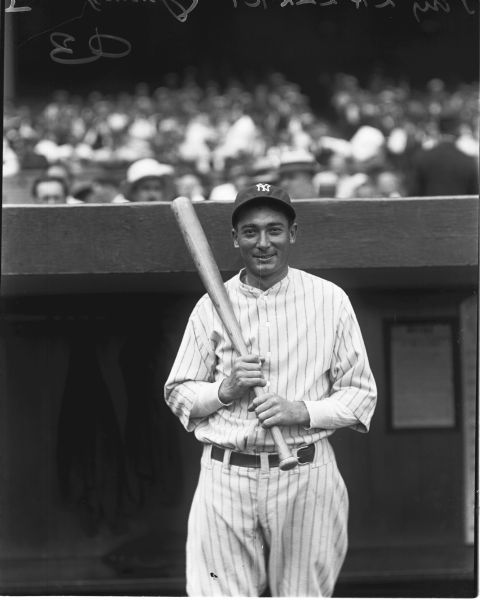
x=263, y=187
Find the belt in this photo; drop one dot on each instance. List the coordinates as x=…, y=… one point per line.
x=305, y=454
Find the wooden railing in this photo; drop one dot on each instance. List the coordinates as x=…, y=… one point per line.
x=380, y=242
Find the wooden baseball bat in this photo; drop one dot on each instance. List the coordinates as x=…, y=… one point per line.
x=207, y=268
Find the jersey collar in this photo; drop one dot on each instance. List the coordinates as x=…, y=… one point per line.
x=254, y=291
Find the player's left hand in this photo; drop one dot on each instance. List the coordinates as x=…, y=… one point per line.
x=274, y=410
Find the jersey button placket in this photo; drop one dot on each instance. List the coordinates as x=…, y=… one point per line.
x=266, y=344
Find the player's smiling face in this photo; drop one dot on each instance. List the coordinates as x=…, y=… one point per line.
x=264, y=237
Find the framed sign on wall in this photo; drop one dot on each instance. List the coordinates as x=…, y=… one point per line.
x=422, y=374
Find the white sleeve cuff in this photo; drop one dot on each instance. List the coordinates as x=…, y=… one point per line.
x=328, y=414
x=207, y=401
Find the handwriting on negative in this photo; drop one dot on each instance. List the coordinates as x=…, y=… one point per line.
x=180, y=10
x=13, y=8
x=419, y=7
x=60, y=43
x=424, y=6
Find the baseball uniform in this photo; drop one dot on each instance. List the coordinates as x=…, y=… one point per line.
x=253, y=525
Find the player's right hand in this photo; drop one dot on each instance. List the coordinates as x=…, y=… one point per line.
x=246, y=374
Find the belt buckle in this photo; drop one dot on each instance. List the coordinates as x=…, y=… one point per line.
x=300, y=461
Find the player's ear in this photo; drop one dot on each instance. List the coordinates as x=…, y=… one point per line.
x=293, y=233
x=235, y=237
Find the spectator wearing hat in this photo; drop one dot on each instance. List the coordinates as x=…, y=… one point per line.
x=296, y=172
x=150, y=181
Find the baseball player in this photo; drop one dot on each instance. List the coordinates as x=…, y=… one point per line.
x=253, y=526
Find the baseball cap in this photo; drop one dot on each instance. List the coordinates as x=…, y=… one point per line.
x=263, y=191
x=147, y=167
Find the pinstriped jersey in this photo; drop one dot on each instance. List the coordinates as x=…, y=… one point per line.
x=305, y=329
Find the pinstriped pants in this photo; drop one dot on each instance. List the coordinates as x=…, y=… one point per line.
x=253, y=527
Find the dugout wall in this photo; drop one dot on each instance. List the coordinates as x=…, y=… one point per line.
x=94, y=302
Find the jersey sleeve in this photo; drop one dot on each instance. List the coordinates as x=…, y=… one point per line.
x=191, y=391
x=352, y=381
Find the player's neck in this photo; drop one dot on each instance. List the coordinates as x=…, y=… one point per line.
x=264, y=282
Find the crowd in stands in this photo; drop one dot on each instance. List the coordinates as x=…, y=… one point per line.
x=207, y=140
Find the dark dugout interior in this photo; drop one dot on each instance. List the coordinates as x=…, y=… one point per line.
x=416, y=40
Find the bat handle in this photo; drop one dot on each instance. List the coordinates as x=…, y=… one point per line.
x=287, y=460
